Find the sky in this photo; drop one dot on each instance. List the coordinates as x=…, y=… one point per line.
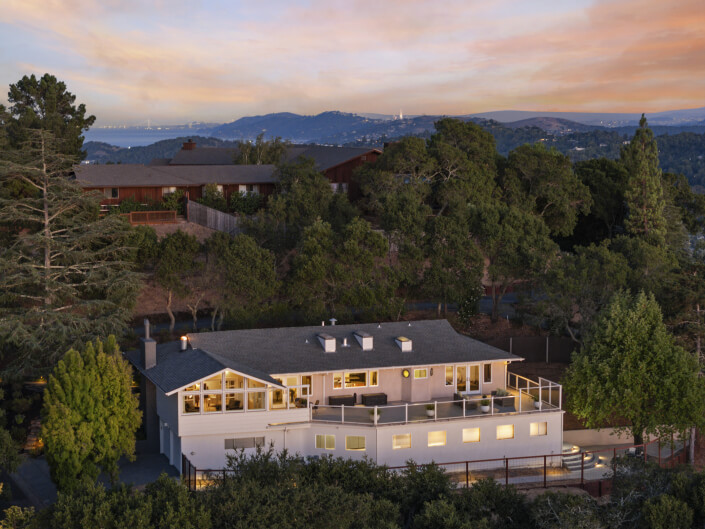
x=175, y=61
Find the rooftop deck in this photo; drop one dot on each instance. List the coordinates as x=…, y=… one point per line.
x=524, y=396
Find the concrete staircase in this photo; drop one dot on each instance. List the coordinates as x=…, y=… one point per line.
x=572, y=458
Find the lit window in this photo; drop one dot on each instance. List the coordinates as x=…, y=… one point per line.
x=421, y=373
x=487, y=373
x=255, y=400
x=471, y=435
x=374, y=378
x=192, y=404
x=234, y=381
x=325, y=442
x=292, y=381
x=538, y=428
x=355, y=442
x=212, y=402
x=255, y=384
x=401, y=441
x=168, y=190
x=437, y=438
x=356, y=380
x=235, y=401
x=505, y=431
x=337, y=380
x=193, y=387
x=213, y=383
x=449, y=376
x=276, y=399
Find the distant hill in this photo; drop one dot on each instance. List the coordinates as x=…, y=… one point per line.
x=555, y=125
x=98, y=152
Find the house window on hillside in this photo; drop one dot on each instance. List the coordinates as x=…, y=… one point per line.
x=449, y=376
x=356, y=380
x=337, y=380
x=437, y=438
x=212, y=402
x=325, y=442
x=471, y=435
x=355, y=442
x=538, y=428
x=374, y=379
x=192, y=404
x=111, y=192
x=255, y=400
x=400, y=441
x=168, y=190
x=487, y=373
x=213, y=383
x=234, y=381
x=421, y=373
x=244, y=442
x=235, y=401
x=505, y=431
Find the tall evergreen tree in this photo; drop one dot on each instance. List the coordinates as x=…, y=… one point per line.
x=65, y=275
x=644, y=194
x=90, y=415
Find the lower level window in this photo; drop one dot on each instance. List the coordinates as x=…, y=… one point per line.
x=401, y=441
x=471, y=435
x=212, y=402
x=192, y=404
x=538, y=428
x=437, y=438
x=355, y=442
x=325, y=442
x=244, y=442
x=505, y=431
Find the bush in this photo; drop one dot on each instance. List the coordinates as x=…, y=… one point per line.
x=667, y=512
x=174, y=202
x=246, y=203
x=470, y=305
x=213, y=198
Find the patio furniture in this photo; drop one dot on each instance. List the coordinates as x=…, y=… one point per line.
x=341, y=400
x=505, y=402
x=374, y=399
x=470, y=401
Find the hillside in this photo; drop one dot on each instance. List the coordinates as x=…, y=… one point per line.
x=98, y=152
x=554, y=125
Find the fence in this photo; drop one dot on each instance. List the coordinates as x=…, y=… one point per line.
x=151, y=217
x=592, y=470
x=212, y=218
x=537, y=348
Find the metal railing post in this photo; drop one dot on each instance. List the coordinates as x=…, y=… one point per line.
x=464, y=408
x=506, y=471
x=582, y=469
x=435, y=410
x=544, y=472
x=376, y=416
x=406, y=412
x=467, y=475
x=491, y=405
x=342, y=413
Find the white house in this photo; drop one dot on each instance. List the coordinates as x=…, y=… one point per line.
x=392, y=392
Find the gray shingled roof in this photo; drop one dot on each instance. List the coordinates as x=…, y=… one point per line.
x=205, y=156
x=138, y=175
x=261, y=353
x=324, y=156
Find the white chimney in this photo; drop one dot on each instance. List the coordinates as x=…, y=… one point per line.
x=404, y=343
x=332, y=321
x=184, y=343
x=148, y=349
x=364, y=339
x=327, y=342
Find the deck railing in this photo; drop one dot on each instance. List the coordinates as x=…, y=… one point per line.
x=543, y=391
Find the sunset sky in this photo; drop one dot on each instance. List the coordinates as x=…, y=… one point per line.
x=174, y=61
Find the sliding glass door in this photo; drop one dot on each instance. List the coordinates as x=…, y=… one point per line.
x=467, y=379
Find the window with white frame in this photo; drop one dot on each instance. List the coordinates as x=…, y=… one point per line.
x=505, y=431
x=227, y=391
x=325, y=442
x=400, y=441
x=111, y=192
x=471, y=435
x=450, y=381
x=168, y=190
x=337, y=380
x=437, y=438
x=374, y=379
x=355, y=442
x=487, y=373
x=421, y=373
x=538, y=428
x=356, y=379
x=244, y=442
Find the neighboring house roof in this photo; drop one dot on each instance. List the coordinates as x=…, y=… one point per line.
x=326, y=157
x=265, y=352
x=138, y=175
x=160, y=161
x=205, y=156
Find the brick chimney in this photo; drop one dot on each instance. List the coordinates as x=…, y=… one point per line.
x=148, y=348
x=188, y=145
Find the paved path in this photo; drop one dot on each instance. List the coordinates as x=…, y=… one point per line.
x=33, y=478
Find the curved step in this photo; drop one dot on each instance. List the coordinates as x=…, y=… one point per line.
x=573, y=458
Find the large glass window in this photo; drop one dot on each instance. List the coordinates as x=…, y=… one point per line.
x=255, y=400
x=471, y=435
x=192, y=404
x=215, y=382
x=449, y=376
x=355, y=442
x=212, y=402
x=337, y=380
x=474, y=378
x=505, y=431
x=461, y=384
x=374, y=378
x=234, y=381
x=437, y=438
x=235, y=401
x=538, y=428
x=356, y=380
x=400, y=441
x=194, y=387
x=325, y=442
x=306, y=381
x=276, y=399
x=255, y=383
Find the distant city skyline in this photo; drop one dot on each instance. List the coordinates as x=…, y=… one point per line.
x=177, y=61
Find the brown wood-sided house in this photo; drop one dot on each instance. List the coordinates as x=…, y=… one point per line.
x=192, y=168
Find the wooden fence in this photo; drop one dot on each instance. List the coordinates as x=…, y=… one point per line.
x=212, y=218
x=151, y=217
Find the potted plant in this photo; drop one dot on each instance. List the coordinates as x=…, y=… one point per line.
x=537, y=401
x=485, y=404
x=430, y=410
x=502, y=393
x=372, y=414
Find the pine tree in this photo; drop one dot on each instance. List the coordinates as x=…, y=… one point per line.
x=644, y=194
x=90, y=416
x=65, y=277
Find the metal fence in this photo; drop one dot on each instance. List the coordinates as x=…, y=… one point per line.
x=212, y=218
x=592, y=470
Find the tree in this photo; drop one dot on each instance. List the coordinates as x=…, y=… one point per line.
x=90, y=415
x=261, y=151
x=45, y=104
x=177, y=259
x=542, y=181
x=213, y=198
x=631, y=368
x=65, y=274
x=644, y=193
x=9, y=450
x=515, y=245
